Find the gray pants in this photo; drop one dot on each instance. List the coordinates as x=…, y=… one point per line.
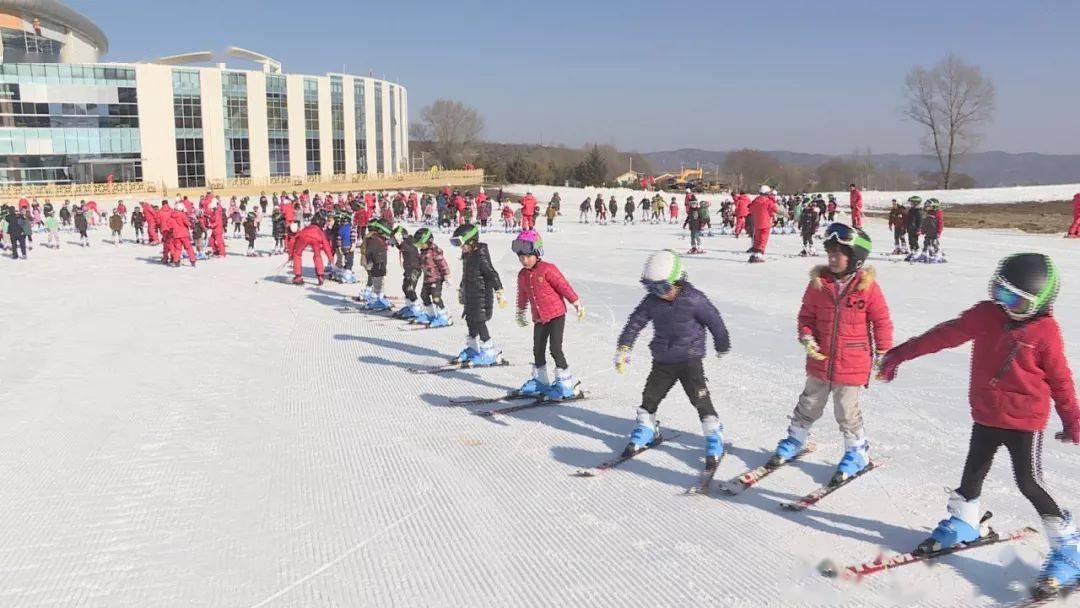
x=845, y=406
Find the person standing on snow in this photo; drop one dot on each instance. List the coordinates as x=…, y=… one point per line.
x=314, y=237
x=680, y=315
x=914, y=221
x=180, y=232
x=436, y=272
x=116, y=224
x=855, y=202
x=742, y=210
x=1018, y=365
x=376, y=246
x=844, y=325
x=480, y=287
x=411, y=272
x=1074, y=230
x=762, y=210
x=808, y=225
x=897, y=221
x=138, y=220
x=542, y=288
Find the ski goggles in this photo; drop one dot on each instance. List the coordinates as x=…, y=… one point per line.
x=458, y=241
x=1017, y=303
x=657, y=288
x=523, y=247
x=841, y=233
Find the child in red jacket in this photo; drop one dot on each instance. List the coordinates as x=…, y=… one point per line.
x=542, y=288
x=1017, y=365
x=843, y=324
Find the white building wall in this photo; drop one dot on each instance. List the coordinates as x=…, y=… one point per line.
x=213, y=120
x=258, y=135
x=157, y=132
x=297, y=153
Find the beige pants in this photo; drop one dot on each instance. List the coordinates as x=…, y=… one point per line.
x=845, y=407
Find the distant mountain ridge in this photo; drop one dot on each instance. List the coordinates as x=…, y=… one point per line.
x=990, y=169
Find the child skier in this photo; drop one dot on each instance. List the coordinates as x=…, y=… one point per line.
x=808, y=225
x=507, y=218
x=411, y=271
x=542, y=287
x=480, y=285
x=1018, y=364
x=693, y=222
x=628, y=210
x=81, y=225
x=277, y=227
x=913, y=224
x=250, y=232
x=137, y=221
x=931, y=250
x=549, y=215
x=52, y=224
x=376, y=244
x=680, y=315
x=583, y=211
x=116, y=224
x=436, y=272
x=844, y=324
x=897, y=220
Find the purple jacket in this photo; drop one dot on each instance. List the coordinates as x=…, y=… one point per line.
x=678, y=327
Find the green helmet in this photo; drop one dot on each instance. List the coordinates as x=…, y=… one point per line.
x=379, y=226
x=421, y=236
x=914, y=200
x=1025, y=285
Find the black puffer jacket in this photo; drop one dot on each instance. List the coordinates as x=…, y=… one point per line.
x=375, y=254
x=479, y=282
x=410, y=256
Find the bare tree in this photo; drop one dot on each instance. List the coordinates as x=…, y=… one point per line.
x=453, y=127
x=951, y=101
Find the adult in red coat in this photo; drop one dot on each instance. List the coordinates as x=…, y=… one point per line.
x=151, y=223
x=742, y=210
x=528, y=211
x=1074, y=230
x=181, y=236
x=312, y=236
x=217, y=231
x=189, y=206
x=459, y=205
x=288, y=212
x=856, y=206
x=762, y=210
x=165, y=225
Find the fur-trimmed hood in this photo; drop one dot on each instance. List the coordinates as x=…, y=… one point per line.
x=867, y=276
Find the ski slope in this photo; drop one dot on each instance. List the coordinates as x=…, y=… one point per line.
x=872, y=199
x=217, y=437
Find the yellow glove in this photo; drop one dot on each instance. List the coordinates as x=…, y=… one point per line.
x=811, y=346
x=501, y=299
x=622, y=359
x=580, y=310
x=520, y=318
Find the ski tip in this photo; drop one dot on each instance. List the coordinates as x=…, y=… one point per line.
x=484, y=413
x=584, y=473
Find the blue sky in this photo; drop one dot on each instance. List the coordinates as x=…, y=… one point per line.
x=803, y=76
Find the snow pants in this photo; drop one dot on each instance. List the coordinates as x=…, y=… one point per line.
x=152, y=232
x=1074, y=230
x=298, y=256
x=845, y=406
x=740, y=225
x=691, y=374
x=898, y=236
x=167, y=245
x=695, y=239
x=217, y=242
x=807, y=240
x=185, y=244
x=408, y=284
x=549, y=333
x=1025, y=449
x=431, y=294
x=761, y=239
x=913, y=239
x=528, y=222
x=856, y=218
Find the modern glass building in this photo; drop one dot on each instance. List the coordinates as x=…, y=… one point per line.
x=67, y=118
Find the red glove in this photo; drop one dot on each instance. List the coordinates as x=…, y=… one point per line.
x=1071, y=432
x=890, y=364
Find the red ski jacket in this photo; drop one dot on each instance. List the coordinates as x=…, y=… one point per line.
x=312, y=236
x=848, y=325
x=855, y=199
x=181, y=227
x=544, y=288
x=528, y=206
x=742, y=205
x=1076, y=206
x=763, y=208
x=1016, y=367
x=164, y=219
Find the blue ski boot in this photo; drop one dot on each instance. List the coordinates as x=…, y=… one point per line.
x=538, y=385
x=487, y=356
x=790, y=446
x=379, y=303
x=425, y=316
x=644, y=433
x=963, y=525
x=441, y=319
x=1062, y=568
x=854, y=460
x=564, y=387
x=406, y=312
x=472, y=348
x=714, y=440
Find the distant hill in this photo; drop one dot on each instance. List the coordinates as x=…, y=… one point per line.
x=990, y=169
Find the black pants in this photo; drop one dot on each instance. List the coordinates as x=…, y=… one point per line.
x=349, y=256
x=692, y=376
x=431, y=293
x=478, y=328
x=807, y=240
x=408, y=285
x=898, y=236
x=1025, y=449
x=17, y=243
x=913, y=239
x=138, y=232
x=549, y=333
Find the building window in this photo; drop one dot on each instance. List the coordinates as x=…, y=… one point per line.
x=361, y=126
x=279, y=156
x=312, y=146
x=189, y=162
x=187, y=111
x=393, y=128
x=379, y=163
x=277, y=105
x=339, y=156
x=237, y=157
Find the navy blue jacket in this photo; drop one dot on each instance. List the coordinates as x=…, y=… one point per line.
x=678, y=326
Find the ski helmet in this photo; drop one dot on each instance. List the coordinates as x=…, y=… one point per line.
x=421, y=236
x=933, y=203
x=379, y=226
x=663, y=270
x=914, y=201
x=464, y=234
x=854, y=242
x=528, y=242
x=319, y=219
x=400, y=235
x=764, y=189
x=1025, y=285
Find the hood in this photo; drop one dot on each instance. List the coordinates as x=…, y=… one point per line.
x=867, y=276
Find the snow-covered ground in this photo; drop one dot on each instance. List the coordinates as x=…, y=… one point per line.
x=217, y=437
x=872, y=199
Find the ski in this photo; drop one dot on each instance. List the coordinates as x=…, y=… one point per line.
x=543, y=401
x=704, y=484
x=454, y=366
x=881, y=564
x=740, y=483
x=614, y=462
x=814, y=497
x=484, y=400
x=419, y=326
x=1043, y=595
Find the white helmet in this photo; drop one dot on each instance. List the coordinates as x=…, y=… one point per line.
x=764, y=189
x=663, y=266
